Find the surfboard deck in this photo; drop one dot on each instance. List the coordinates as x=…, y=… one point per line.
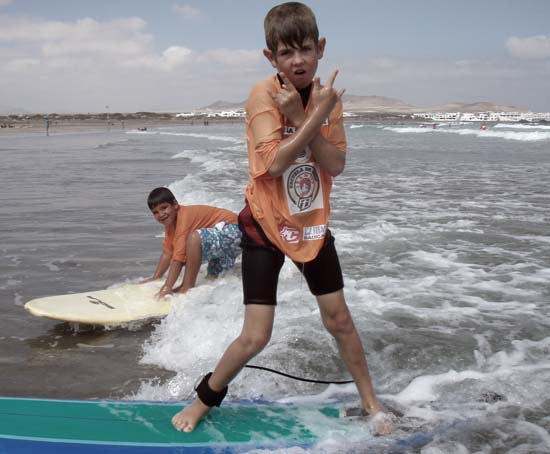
x=132, y=427
x=128, y=303
x=60, y=426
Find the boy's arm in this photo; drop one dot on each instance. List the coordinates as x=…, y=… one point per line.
x=162, y=266
x=307, y=133
x=164, y=263
x=173, y=273
x=327, y=154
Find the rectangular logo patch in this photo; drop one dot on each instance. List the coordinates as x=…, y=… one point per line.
x=314, y=232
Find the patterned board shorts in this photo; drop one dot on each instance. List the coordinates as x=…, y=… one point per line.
x=220, y=247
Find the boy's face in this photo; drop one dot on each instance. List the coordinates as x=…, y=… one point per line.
x=165, y=213
x=298, y=64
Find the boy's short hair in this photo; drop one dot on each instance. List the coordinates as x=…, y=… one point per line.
x=160, y=195
x=290, y=24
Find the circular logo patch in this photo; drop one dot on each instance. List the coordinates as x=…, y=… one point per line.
x=303, y=186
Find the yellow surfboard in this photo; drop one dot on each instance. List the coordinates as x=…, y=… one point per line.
x=128, y=303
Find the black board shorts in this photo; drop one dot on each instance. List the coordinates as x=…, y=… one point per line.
x=262, y=261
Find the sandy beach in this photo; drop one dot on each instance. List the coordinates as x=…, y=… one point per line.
x=9, y=126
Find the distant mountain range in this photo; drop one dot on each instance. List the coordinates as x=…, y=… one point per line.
x=9, y=110
x=356, y=103
x=353, y=103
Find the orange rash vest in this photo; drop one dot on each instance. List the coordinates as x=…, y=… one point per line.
x=292, y=209
x=191, y=218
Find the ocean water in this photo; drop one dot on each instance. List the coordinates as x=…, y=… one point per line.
x=444, y=241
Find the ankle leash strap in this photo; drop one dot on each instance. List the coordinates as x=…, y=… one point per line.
x=207, y=395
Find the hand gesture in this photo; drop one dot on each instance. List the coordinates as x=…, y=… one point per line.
x=289, y=101
x=326, y=97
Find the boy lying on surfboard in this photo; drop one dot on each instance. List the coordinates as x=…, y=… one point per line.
x=192, y=234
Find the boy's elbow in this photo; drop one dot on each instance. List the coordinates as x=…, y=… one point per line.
x=275, y=170
x=275, y=173
x=338, y=167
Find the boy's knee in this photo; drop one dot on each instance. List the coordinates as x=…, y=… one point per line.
x=339, y=322
x=256, y=342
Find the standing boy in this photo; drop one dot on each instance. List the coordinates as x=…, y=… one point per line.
x=296, y=144
x=192, y=234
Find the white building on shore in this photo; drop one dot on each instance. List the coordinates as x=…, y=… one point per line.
x=227, y=114
x=213, y=114
x=484, y=116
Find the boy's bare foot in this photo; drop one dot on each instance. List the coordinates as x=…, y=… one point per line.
x=379, y=420
x=383, y=423
x=188, y=418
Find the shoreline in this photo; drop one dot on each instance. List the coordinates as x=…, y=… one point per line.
x=34, y=125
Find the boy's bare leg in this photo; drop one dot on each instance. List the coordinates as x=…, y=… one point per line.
x=337, y=319
x=256, y=332
x=193, y=250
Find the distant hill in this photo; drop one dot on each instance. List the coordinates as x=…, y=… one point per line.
x=355, y=103
x=382, y=104
x=474, y=107
x=352, y=103
x=224, y=105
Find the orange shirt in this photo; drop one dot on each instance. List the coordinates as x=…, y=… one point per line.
x=191, y=218
x=292, y=209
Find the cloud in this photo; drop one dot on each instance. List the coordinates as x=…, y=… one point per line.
x=396, y=70
x=82, y=65
x=240, y=58
x=5, y=3
x=121, y=37
x=123, y=43
x=433, y=81
x=530, y=48
x=176, y=55
x=171, y=59
x=187, y=11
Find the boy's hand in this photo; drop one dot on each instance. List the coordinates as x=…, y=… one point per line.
x=149, y=279
x=289, y=102
x=325, y=97
x=163, y=292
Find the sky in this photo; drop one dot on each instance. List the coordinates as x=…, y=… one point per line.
x=165, y=55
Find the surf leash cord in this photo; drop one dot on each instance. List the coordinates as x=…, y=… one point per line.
x=293, y=377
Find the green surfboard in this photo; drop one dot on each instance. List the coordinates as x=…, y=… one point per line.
x=44, y=425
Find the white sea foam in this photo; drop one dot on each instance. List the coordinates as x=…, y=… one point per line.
x=10, y=283
x=83, y=345
x=239, y=148
x=500, y=371
x=18, y=299
x=192, y=191
x=183, y=154
x=375, y=232
x=211, y=161
x=521, y=126
x=110, y=143
x=515, y=135
x=523, y=136
x=211, y=137
x=409, y=130
x=424, y=389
